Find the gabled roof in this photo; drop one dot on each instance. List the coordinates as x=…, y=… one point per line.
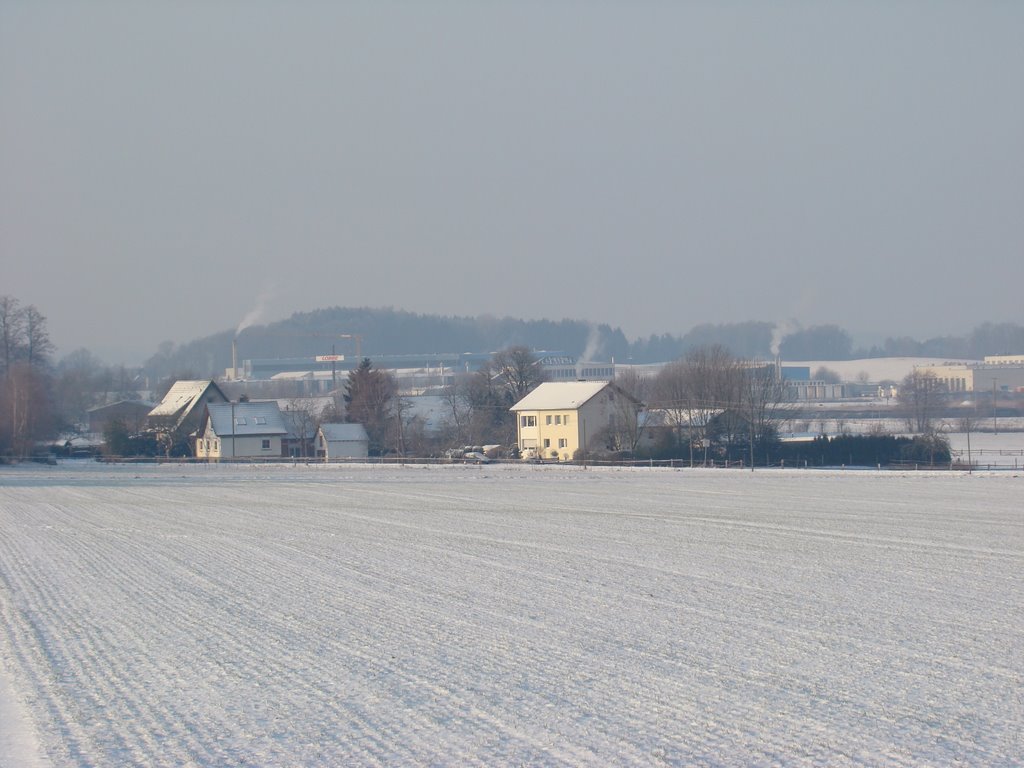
x=183, y=396
x=344, y=433
x=560, y=395
x=250, y=419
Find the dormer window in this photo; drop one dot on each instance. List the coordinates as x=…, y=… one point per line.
x=261, y=419
x=239, y=421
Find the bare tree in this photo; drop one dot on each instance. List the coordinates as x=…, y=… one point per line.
x=490, y=420
x=38, y=346
x=517, y=371
x=27, y=415
x=762, y=405
x=920, y=396
x=303, y=416
x=12, y=329
x=627, y=427
x=27, y=412
x=460, y=410
x=696, y=390
x=669, y=393
x=81, y=383
x=494, y=388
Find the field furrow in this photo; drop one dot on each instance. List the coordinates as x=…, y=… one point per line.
x=512, y=615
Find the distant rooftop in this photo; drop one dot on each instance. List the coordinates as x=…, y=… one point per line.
x=249, y=419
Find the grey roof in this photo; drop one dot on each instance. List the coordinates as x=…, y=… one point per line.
x=343, y=433
x=250, y=419
x=559, y=395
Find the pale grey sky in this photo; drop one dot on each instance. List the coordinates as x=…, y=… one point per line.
x=168, y=168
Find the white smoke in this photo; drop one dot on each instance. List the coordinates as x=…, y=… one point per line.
x=593, y=345
x=254, y=315
x=781, y=331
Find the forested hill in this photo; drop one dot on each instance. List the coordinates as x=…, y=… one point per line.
x=386, y=332
x=395, y=332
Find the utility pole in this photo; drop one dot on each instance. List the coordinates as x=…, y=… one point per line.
x=995, y=423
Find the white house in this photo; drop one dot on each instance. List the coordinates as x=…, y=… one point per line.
x=240, y=430
x=342, y=441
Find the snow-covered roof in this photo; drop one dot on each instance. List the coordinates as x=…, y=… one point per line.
x=343, y=433
x=181, y=394
x=662, y=417
x=312, y=405
x=432, y=411
x=140, y=403
x=250, y=419
x=559, y=395
x=292, y=376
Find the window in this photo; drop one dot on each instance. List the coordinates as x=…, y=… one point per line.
x=261, y=419
x=547, y=419
x=562, y=442
x=266, y=445
x=558, y=419
x=565, y=419
x=547, y=443
x=239, y=421
x=529, y=421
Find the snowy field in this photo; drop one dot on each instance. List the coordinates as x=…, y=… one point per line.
x=1003, y=450
x=509, y=615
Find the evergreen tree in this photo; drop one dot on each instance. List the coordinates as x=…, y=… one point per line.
x=371, y=399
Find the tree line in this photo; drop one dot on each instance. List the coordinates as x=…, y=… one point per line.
x=26, y=391
x=40, y=399
x=395, y=332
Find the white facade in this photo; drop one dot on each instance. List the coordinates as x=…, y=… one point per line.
x=241, y=430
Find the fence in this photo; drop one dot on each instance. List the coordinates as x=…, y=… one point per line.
x=958, y=463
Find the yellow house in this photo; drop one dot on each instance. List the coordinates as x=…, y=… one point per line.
x=559, y=417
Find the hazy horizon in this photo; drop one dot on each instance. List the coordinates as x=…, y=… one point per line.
x=167, y=170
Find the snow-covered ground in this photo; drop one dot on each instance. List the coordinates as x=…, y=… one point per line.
x=989, y=450
x=496, y=615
